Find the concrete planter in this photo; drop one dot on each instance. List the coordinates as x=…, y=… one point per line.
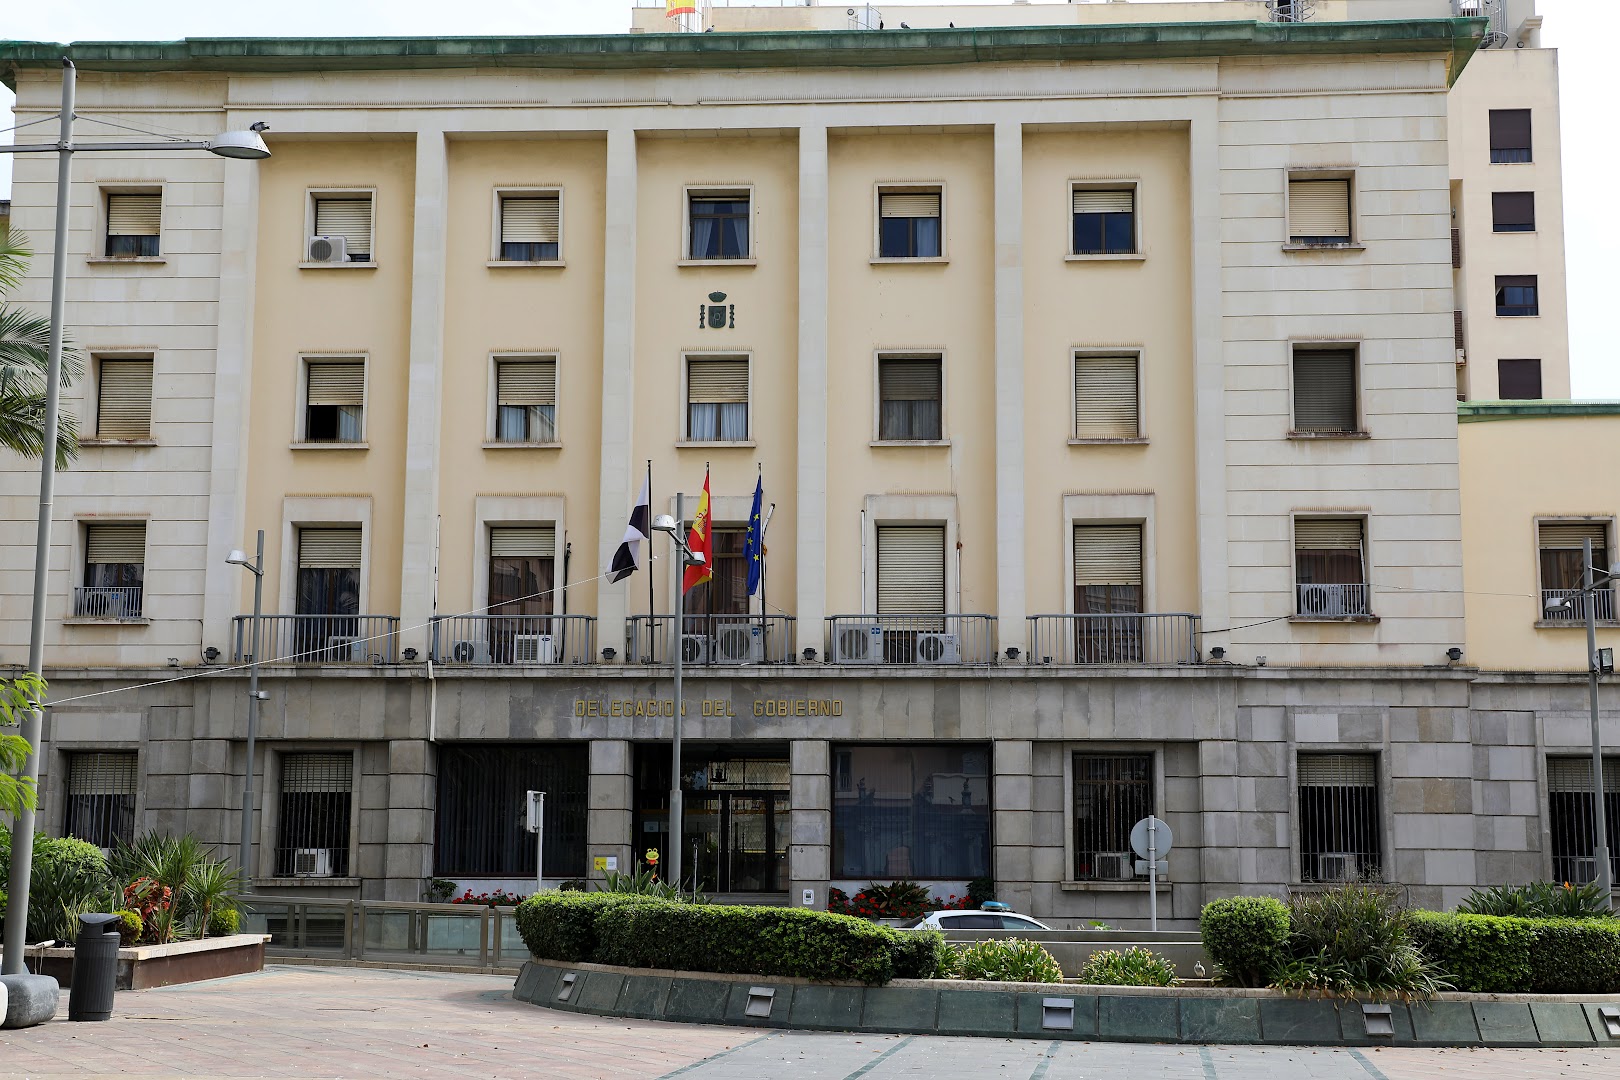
x=1068, y=1010
x=146, y=966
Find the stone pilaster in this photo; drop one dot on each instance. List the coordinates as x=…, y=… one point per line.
x=611, y=794
x=810, y=837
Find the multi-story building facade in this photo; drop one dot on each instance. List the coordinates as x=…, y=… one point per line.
x=1099, y=364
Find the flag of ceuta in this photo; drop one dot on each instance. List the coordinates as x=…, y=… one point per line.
x=698, y=540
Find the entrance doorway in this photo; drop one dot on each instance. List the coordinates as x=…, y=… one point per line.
x=734, y=824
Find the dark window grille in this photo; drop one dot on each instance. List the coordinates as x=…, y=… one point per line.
x=482, y=818
x=719, y=227
x=316, y=799
x=1572, y=817
x=1339, y=834
x=1516, y=295
x=100, y=797
x=1112, y=792
x=913, y=812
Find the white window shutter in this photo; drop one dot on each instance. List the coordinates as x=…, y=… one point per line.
x=1087, y=201
x=323, y=549
x=1569, y=534
x=1108, y=555
x=521, y=541
x=1325, y=391
x=526, y=382
x=1327, y=534
x=337, y=382
x=1319, y=208
x=717, y=381
x=134, y=215
x=110, y=773
x=124, y=400
x=317, y=772
x=530, y=219
x=911, y=570
x=906, y=379
x=898, y=204
x=115, y=544
x=1105, y=397
x=1340, y=770
x=348, y=217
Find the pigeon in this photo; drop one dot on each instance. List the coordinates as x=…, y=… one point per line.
x=905, y=26
x=1198, y=969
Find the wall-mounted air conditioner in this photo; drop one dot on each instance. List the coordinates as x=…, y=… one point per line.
x=1322, y=600
x=696, y=648
x=534, y=649
x=938, y=649
x=858, y=644
x=328, y=249
x=1112, y=866
x=470, y=652
x=1336, y=866
x=312, y=862
x=345, y=649
x=739, y=643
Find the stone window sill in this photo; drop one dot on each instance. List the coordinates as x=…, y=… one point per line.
x=117, y=442
x=1107, y=256
x=1329, y=436
x=909, y=443
x=698, y=444
x=717, y=262
x=300, y=882
x=1333, y=618
x=90, y=620
x=124, y=260
x=337, y=266
x=535, y=264
x=1113, y=886
x=512, y=444
x=1135, y=440
x=329, y=446
x=908, y=260
x=1573, y=624
x=1324, y=247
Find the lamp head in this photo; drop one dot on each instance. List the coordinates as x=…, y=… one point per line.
x=696, y=558
x=242, y=145
x=1556, y=605
x=664, y=523
x=238, y=557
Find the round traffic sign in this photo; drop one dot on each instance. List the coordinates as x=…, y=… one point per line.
x=1161, y=838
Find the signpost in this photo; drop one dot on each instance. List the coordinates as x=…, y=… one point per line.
x=1151, y=840
x=537, y=825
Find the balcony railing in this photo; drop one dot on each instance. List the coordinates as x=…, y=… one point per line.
x=319, y=639
x=514, y=640
x=712, y=639
x=1334, y=601
x=1147, y=639
x=911, y=639
x=1572, y=606
x=107, y=602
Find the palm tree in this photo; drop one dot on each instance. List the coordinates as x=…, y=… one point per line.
x=24, y=347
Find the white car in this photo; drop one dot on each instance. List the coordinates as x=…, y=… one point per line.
x=977, y=919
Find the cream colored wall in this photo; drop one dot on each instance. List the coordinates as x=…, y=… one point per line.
x=1141, y=305
x=333, y=311
x=545, y=310
x=1515, y=471
x=1510, y=79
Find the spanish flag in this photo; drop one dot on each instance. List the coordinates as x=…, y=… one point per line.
x=698, y=540
x=673, y=8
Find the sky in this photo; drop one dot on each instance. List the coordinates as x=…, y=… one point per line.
x=1591, y=149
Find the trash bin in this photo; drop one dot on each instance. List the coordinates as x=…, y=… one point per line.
x=95, y=968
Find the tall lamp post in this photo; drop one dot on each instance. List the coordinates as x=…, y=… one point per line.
x=256, y=568
x=246, y=145
x=665, y=524
x=1590, y=583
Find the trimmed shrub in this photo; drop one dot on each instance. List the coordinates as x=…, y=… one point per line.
x=1247, y=937
x=562, y=925
x=1480, y=954
x=1004, y=960
x=745, y=941
x=918, y=954
x=1575, y=956
x=129, y=928
x=223, y=922
x=1135, y=966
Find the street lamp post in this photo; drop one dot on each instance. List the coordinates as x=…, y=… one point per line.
x=232, y=144
x=256, y=568
x=671, y=525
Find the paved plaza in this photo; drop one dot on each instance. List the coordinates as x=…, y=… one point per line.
x=358, y=1023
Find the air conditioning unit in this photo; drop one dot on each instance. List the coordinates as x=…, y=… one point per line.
x=1462, y=357
x=858, y=644
x=696, y=648
x=1336, y=866
x=1322, y=600
x=739, y=643
x=938, y=649
x=345, y=649
x=470, y=652
x=328, y=249
x=1582, y=870
x=1112, y=866
x=534, y=649
x=312, y=862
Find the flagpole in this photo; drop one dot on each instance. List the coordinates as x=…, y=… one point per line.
x=652, y=605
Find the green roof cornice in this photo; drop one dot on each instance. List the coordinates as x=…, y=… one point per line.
x=1469, y=412
x=1457, y=38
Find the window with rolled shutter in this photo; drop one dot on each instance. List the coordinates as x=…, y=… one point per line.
x=526, y=400
x=1104, y=221
x=1329, y=567
x=336, y=393
x=114, y=572
x=323, y=549
x=1562, y=570
x=124, y=399
x=1319, y=212
x=909, y=398
x=348, y=216
x=1510, y=136
x=530, y=228
x=1105, y=397
x=1325, y=391
x=134, y=222
x=521, y=579
x=1513, y=211
x=522, y=541
x=909, y=225
x=115, y=544
x=717, y=399
x=1107, y=569
x=911, y=570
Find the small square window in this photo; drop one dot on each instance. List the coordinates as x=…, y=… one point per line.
x=717, y=225
x=1104, y=221
x=909, y=224
x=526, y=399
x=1510, y=136
x=345, y=217
x=134, y=222
x=909, y=399
x=1319, y=212
x=1518, y=380
x=717, y=399
x=531, y=228
x=1325, y=391
x=1330, y=568
x=1513, y=211
x=335, y=400
x=1106, y=398
x=124, y=399
x=114, y=572
x=1516, y=295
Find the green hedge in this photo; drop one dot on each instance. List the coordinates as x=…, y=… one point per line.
x=918, y=954
x=1491, y=954
x=1247, y=937
x=1575, y=956
x=562, y=925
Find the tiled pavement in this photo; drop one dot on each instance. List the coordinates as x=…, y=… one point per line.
x=344, y=1022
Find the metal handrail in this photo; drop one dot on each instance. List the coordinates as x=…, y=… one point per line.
x=1332, y=600
x=514, y=640
x=319, y=639
x=107, y=601
x=712, y=640
x=1574, y=609
x=401, y=933
x=1146, y=639
x=911, y=640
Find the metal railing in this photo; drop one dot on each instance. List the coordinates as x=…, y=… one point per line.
x=319, y=639
x=467, y=935
x=514, y=640
x=107, y=602
x=1159, y=638
x=721, y=640
x=1572, y=606
x=911, y=639
x=1333, y=601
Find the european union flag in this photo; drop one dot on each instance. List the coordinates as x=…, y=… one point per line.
x=754, y=542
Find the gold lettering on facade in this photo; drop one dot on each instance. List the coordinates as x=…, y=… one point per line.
x=717, y=707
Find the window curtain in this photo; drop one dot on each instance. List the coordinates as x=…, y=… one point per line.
x=703, y=237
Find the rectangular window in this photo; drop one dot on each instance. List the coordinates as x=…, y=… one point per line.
x=1319, y=212
x=522, y=569
x=1572, y=817
x=114, y=572
x=909, y=224
x=312, y=838
x=133, y=225
x=1112, y=792
x=479, y=827
x=100, y=797
x=727, y=592
x=530, y=228
x=1518, y=380
x=920, y=812
x=124, y=399
x=348, y=216
x=1339, y=834
x=1107, y=584
x=336, y=397
x=1106, y=398
x=1510, y=136
x=717, y=399
x=1325, y=391
x=718, y=225
x=1329, y=567
x=1559, y=545
x=328, y=576
x=909, y=395
x=911, y=570
x=1104, y=221
x=1516, y=295
x=1513, y=211
x=526, y=400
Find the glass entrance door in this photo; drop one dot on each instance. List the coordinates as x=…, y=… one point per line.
x=736, y=841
